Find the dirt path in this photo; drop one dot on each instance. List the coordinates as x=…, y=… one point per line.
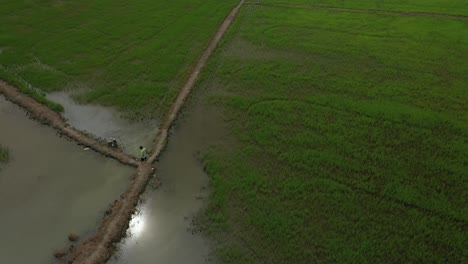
x=99, y=248
x=359, y=10
x=47, y=116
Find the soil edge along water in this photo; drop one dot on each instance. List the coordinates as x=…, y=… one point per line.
x=49, y=188
x=47, y=116
x=99, y=248
x=164, y=221
x=106, y=123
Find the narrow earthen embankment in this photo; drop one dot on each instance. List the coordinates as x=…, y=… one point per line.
x=99, y=248
x=55, y=120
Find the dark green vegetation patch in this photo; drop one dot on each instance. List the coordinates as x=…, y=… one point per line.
x=449, y=7
x=351, y=133
x=4, y=154
x=134, y=55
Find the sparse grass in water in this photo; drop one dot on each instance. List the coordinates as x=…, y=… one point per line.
x=4, y=154
x=351, y=131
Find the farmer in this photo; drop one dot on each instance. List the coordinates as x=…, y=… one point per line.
x=143, y=153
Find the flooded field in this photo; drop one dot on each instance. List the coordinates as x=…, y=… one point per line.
x=162, y=230
x=49, y=188
x=105, y=122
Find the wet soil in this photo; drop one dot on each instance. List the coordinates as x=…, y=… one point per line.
x=49, y=188
x=105, y=122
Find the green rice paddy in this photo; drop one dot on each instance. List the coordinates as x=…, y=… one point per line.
x=131, y=55
x=350, y=138
x=349, y=129
x=449, y=7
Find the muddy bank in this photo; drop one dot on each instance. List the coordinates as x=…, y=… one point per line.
x=99, y=248
x=162, y=230
x=49, y=188
x=49, y=117
x=106, y=122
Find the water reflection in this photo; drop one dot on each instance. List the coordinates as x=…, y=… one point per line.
x=164, y=224
x=49, y=188
x=137, y=224
x=105, y=122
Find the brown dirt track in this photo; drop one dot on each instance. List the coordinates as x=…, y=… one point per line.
x=99, y=247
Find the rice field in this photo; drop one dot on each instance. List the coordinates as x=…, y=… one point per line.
x=131, y=55
x=348, y=124
x=349, y=134
x=447, y=7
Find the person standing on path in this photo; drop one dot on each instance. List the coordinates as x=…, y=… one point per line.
x=143, y=152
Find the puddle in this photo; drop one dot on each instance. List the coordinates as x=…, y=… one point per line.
x=161, y=231
x=49, y=188
x=105, y=122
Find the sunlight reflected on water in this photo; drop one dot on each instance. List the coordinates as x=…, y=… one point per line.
x=137, y=225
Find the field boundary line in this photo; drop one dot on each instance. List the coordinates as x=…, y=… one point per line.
x=47, y=116
x=101, y=245
x=359, y=10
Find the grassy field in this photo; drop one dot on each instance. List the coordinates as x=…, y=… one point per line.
x=134, y=55
x=350, y=134
x=4, y=154
x=350, y=129
x=452, y=7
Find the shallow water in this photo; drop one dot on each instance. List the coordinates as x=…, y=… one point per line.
x=49, y=188
x=161, y=231
x=105, y=122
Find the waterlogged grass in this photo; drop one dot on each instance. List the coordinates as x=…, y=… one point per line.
x=452, y=7
x=134, y=55
x=26, y=88
x=4, y=154
x=350, y=134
